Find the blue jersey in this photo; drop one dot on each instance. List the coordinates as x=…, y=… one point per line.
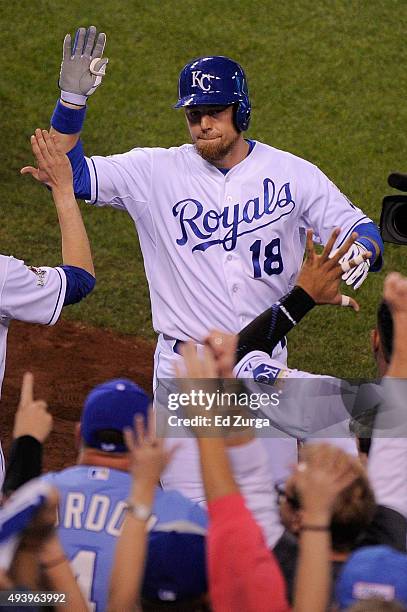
x=91, y=512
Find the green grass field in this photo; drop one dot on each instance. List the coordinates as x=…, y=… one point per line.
x=326, y=83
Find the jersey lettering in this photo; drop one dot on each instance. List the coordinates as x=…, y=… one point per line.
x=97, y=513
x=190, y=213
x=95, y=518
x=75, y=504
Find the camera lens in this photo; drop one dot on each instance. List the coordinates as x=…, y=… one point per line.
x=400, y=220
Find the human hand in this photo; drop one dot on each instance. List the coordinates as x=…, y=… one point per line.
x=210, y=398
x=223, y=347
x=323, y=472
x=356, y=275
x=82, y=67
x=395, y=293
x=149, y=458
x=5, y=582
x=320, y=275
x=54, y=168
x=32, y=417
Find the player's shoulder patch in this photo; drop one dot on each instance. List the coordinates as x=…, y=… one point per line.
x=267, y=374
x=41, y=274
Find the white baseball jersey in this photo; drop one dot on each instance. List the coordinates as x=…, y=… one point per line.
x=219, y=249
x=34, y=295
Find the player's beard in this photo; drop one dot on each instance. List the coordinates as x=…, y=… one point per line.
x=214, y=150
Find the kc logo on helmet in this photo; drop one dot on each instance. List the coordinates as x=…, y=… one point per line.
x=198, y=78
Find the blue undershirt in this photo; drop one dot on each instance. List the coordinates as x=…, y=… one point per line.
x=79, y=283
x=251, y=144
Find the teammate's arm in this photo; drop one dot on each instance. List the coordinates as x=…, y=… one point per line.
x=55, y=170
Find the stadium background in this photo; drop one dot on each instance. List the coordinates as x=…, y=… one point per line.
x=326, y=81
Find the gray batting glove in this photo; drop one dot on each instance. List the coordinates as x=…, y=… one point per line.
x=82, y=65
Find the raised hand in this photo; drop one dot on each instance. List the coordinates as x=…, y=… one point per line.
x=53, y=166
x=32, y=417
x=82, y=65
x=320, y=275
x=395, y=292
x=148, y=456
x=323, y=473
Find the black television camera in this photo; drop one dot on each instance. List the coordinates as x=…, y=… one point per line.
x=393, y=220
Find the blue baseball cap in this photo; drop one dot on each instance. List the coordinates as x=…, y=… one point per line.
x=373, y=571
x=175, y=567
x=112, y=405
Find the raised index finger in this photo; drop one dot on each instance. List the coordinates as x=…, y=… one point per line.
x=27, y=389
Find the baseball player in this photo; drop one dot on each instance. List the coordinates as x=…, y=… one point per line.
x=37, y=295
x=221, y=221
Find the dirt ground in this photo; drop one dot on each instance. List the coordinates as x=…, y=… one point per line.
x=67, y=361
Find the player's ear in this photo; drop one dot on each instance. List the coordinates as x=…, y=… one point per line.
x=375, y=341
x=77, y=434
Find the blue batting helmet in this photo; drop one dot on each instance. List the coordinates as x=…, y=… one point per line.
x=215, y=80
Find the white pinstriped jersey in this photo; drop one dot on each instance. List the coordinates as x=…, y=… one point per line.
x=219, y=249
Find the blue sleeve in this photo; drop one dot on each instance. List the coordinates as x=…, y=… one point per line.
x=368, y=232
x=79, y=284
x=80, y=170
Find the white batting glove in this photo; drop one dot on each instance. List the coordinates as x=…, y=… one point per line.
x=355, y=276
x=82, y=65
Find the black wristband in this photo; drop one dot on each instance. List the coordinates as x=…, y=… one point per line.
x=298, y=303
x=266, y=331
x=25, y=463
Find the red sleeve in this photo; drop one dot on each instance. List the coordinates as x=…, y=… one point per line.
x=243, y=573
